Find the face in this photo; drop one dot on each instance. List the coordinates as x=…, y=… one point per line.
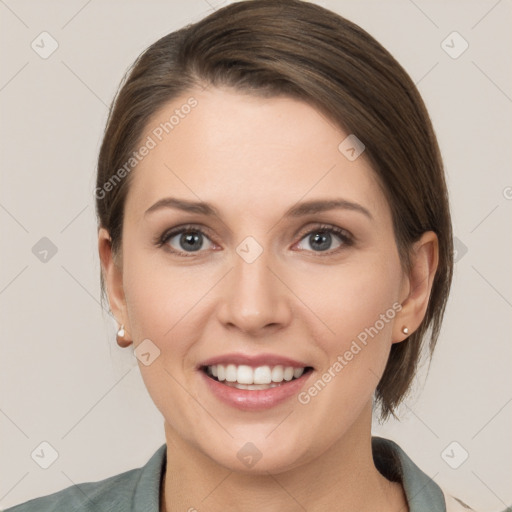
x=293, y=264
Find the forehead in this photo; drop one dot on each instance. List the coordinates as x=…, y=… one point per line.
x=248, y=153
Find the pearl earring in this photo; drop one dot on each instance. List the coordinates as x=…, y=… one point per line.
x=405, y=330
x=120, y=338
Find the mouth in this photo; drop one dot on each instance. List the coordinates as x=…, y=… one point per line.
x=254, y=378
x=254, y=382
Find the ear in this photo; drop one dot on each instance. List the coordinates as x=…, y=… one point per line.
x=113, y=279
x=417, y=285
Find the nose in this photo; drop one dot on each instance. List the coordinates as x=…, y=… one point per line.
x=254, y=298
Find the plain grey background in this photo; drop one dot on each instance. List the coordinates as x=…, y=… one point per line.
x=64, y=381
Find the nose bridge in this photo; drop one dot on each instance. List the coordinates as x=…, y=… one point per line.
x=255, y=297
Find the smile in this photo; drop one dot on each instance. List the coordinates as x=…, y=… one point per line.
x=253, y=388
x=246, y=377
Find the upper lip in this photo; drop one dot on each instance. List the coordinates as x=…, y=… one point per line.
x=253, y=360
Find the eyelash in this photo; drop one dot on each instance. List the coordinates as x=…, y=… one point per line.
x=345, y=237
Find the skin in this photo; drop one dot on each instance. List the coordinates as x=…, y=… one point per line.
x=252, y=159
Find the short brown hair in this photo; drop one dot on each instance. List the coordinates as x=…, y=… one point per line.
x=301, y=50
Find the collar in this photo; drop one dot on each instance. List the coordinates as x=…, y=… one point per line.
x=422, y=493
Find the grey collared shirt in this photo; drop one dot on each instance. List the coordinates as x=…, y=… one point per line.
x=138, y=490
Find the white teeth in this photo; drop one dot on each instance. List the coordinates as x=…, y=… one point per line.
x=297, y=372
x=261, y=377
x=288, y=373
x=277, y=373
x=244, y=375
x=231, y=373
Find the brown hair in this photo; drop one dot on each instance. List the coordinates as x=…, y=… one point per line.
x=298, y=49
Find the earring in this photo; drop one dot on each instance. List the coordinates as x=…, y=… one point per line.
x=119, y=338
x=405, y=330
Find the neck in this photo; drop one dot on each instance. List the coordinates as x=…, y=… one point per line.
x=343, y=477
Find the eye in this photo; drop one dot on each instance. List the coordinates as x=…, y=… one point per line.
x=186, y=240
x=321, y=239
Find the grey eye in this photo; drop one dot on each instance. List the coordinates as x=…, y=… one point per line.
x=320, y=240
x=187, y=241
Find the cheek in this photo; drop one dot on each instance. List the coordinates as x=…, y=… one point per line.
x=167, y=304
x=365, y=296
x=356, y=296
x=162, y=304
x=359, y=308
x=157, y=296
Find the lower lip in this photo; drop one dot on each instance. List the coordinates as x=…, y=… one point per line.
x=255, y=400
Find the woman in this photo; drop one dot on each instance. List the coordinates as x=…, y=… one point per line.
x=275, y=241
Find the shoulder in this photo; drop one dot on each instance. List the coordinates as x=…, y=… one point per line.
x=422, y=493
x=85, y=496
x=117, y=493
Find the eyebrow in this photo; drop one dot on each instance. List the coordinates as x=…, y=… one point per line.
x=298, y=210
